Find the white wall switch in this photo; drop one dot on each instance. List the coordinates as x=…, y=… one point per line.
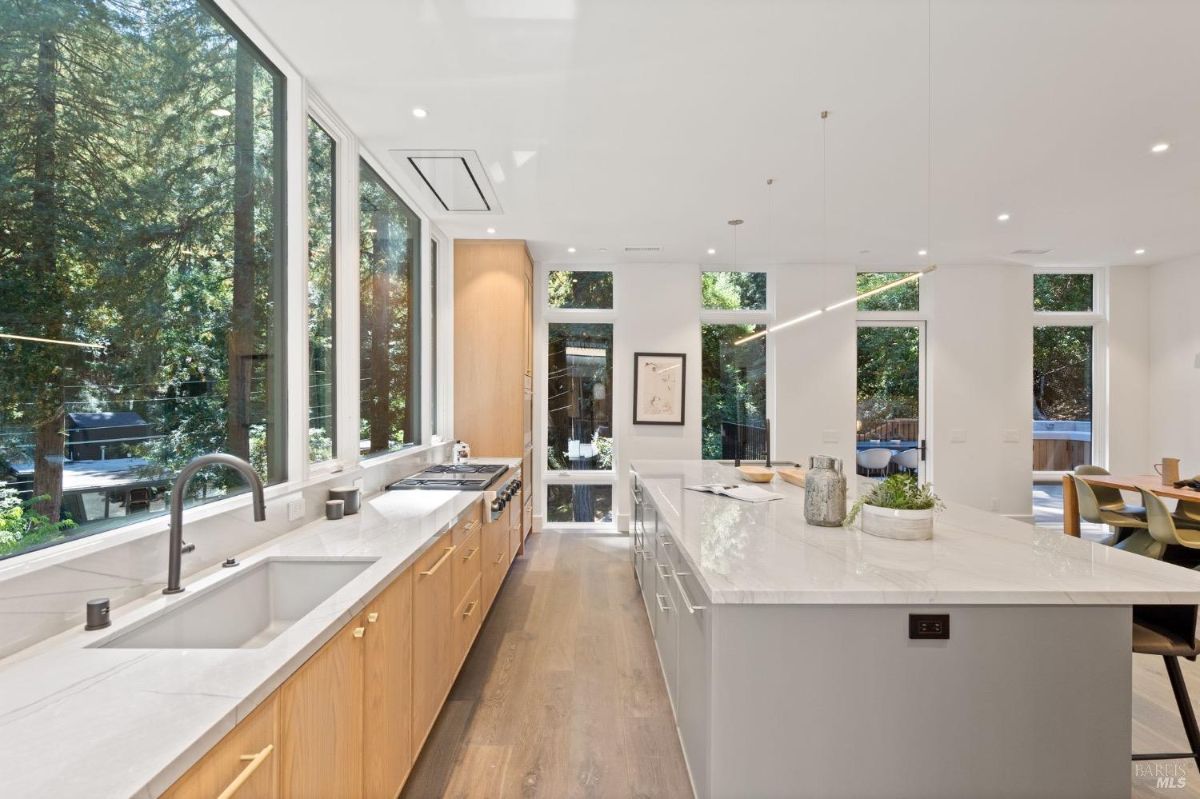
x=830, y=437
x=958, y=436
x=1011, y=436
x=295, y=507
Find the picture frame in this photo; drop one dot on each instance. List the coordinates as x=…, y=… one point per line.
x=659, y=387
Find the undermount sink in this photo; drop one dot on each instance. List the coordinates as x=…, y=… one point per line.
x=243, y=611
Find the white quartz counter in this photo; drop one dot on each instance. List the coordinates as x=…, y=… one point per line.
x=84, y=722
x=767, y=554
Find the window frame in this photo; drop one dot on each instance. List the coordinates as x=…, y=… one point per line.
x=923, y=296
x=544, y=316
x=714, y=316
x=1097, y=319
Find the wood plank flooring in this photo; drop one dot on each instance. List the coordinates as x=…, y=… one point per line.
x=561, y=695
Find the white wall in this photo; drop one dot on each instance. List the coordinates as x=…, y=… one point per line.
x=1129, y=370
x=979, y=382
x=1174, y=402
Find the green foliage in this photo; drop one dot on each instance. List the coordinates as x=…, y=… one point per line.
x=734, y=290
x=603, y=446
x=21, y=526
x=889, y=375
x=733, y=382
x=579, y=289
x=901, y=298
x=1067, y=291
x=1062, y=373
x=898, y=492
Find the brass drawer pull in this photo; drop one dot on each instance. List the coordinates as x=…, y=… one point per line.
x=470, y=554
x=500, y=557
x=473, y=526
x=372, y=617
x=449, y=551
x=251, y=767
x=359, y=632
x=470, y=608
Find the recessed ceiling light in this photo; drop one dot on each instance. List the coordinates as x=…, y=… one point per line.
x=712, y=251
x=1140, y=251
x=420, y=113
x=220, y=112
x=1161, y=147
x=571, y=249
x=922, y=253
x=491, y=230
x=1003, y=217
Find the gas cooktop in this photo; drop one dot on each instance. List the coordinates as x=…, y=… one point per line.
x=453, y=477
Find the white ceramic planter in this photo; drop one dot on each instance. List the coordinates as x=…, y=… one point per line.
x=907, y=525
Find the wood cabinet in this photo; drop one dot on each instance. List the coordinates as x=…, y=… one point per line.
x=495, y=560
x=321, y=716
x=387, y=690
x=245, y=762
x=468, y=617
x=493, y=351
x=433, y=636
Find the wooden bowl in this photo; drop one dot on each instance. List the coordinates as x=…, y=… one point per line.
x=756, y=474
x=795, y=475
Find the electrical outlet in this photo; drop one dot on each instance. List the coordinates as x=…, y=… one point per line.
x=928, y=626
x=1011, y=436
x=958, y=436
x=830, y=437
x=295, y=508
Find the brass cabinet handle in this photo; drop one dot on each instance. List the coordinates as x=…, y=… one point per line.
x=255, y=761
x=372, y=617
x=449, y=551
x=473, y=526
x=500, y=557
x=359, y=631
x=470, y=608
x=470, y=554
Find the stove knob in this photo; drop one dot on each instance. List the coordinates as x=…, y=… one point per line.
x=497, y=505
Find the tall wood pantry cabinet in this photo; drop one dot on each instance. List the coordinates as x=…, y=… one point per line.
x=493, y=355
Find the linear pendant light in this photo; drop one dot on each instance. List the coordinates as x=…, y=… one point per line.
x=839, y=304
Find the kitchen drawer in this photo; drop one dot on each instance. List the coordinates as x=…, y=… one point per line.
x=466, y=620
x=467, y=559
x=248, y=752
x=494, y=561
x=468, y=524
x=513, y=514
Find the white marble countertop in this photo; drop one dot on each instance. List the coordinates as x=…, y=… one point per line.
x=767, y=554
x=84, y=722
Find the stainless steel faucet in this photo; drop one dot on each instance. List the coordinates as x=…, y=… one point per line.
x=176, y=546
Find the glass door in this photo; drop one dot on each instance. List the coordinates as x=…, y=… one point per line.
x=890, y=428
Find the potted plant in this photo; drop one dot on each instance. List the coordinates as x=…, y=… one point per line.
x=897, y=507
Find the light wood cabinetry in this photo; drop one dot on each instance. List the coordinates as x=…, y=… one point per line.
x=387, y=690
x=245, y=762
x=433, y=635
x=493, y=352
x=321, y=715
x=352, y=719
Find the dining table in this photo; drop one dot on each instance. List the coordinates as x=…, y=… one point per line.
x=1150, y=482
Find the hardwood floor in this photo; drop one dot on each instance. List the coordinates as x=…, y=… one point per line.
x=561, y=695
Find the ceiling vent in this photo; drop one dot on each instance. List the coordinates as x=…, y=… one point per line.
x=644, y=248
x=454, y=179
x=1030, y=252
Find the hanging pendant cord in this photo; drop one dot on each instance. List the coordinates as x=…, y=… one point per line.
x=929, y=131
x=824, y=189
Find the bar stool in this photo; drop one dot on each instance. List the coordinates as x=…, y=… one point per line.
x=1170, y=631
x=1132, y=529
x=1150, y=639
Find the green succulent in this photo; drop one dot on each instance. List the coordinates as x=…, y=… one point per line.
x=898, y=492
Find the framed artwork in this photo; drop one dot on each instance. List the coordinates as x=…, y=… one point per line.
x=659, y=387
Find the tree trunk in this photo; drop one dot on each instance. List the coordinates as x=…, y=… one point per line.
x=379, y=408
x=48, y=424
x=241, y=322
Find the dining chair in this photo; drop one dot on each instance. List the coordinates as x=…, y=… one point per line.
x=874, y=460
x=1162, y=525
x=1187, y=513
x=1109, y=498
x=909, y=460
x=1131, y=527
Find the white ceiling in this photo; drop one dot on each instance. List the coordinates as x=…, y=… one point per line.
x=652, y=122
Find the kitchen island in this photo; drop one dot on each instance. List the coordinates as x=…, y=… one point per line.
x=788, y=654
